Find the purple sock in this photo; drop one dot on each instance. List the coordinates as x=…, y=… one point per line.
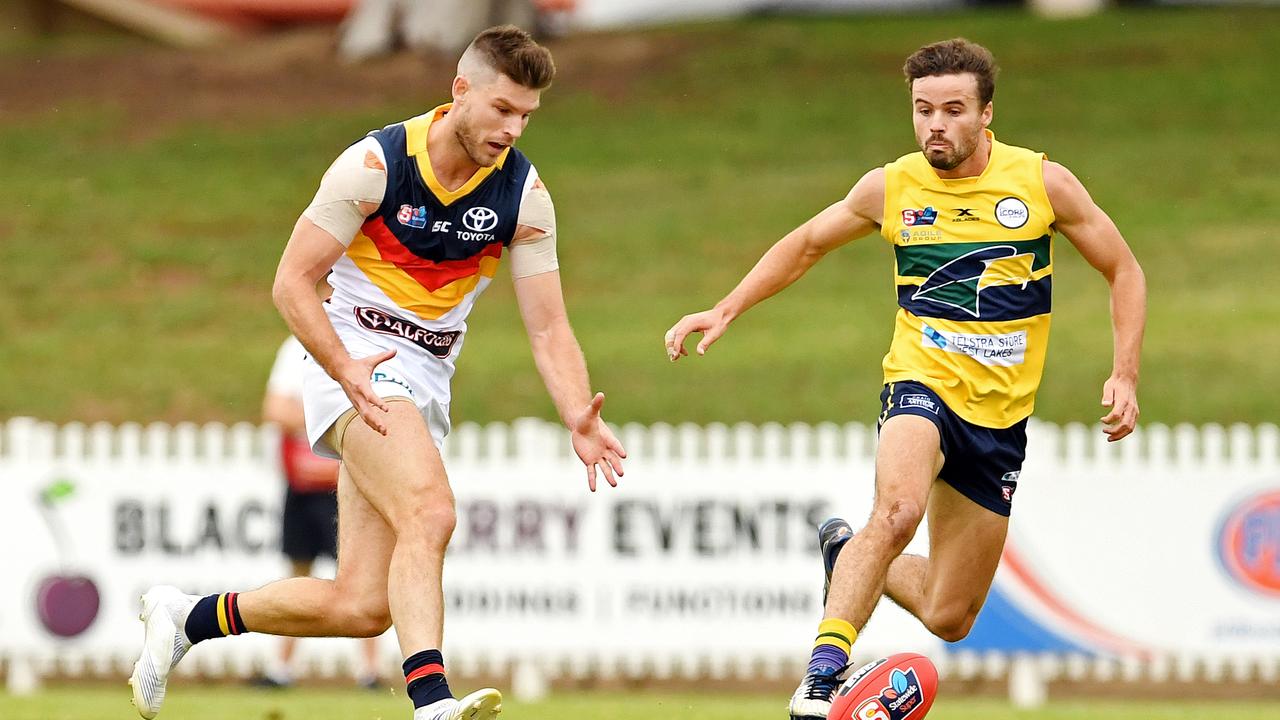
x=827, y=656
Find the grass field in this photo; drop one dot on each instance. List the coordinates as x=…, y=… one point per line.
x=189, y=704
x=137, y=253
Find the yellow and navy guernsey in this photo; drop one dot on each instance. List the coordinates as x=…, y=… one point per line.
x=974, y=274
x=420, y=261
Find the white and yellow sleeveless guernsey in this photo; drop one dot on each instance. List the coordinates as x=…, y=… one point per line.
x=974, y=267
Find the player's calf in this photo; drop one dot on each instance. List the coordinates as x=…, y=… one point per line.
x=812, y=699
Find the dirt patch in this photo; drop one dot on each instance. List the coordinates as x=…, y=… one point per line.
x=173, y=280
x=88, y=405
x=157, y=88
x=287, y=75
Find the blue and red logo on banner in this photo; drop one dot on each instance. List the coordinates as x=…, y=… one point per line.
x=1249, y=543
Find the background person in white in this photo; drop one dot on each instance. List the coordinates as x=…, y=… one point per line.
x=309, y=520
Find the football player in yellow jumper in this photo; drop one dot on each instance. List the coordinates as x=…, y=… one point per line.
x=971, y=221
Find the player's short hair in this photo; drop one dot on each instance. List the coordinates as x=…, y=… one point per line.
x=952, y=57
x=514, y=53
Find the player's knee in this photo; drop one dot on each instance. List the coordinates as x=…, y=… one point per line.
x=371, y=625
x=952, y=625
x=431, y=523
x=899, y=519
x=368, y=616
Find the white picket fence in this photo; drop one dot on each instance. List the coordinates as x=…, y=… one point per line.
x=1178, y=477
x=1184, y=446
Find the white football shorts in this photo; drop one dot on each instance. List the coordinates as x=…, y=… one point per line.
x=413, y=374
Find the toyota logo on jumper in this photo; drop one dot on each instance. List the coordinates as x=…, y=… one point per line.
x=480, y=219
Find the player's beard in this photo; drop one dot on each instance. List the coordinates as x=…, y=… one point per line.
x=949, y=160
x=470, y=145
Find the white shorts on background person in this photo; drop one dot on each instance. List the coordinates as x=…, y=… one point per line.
x=413, y=374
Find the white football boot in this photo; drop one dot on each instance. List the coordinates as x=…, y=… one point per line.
x=480, y=705
x=164, y=612
x=812, y=700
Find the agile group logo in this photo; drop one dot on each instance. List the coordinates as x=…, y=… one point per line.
x=1249, y=543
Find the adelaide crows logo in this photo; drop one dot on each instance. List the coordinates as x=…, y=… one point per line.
x=960, y=282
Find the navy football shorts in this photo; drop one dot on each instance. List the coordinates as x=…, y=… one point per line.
x=981, y=463
x=309, y=526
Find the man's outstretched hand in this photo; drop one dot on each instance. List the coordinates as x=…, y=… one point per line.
x=711, y=323
x=595, y=444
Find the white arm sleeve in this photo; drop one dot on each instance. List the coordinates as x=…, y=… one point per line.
x=536, y=254
x=358, y=175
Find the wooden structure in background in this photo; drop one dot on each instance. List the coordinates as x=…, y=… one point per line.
x=266, y=11
x=162, y=23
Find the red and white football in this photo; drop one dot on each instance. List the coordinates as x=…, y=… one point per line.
x=899, y=687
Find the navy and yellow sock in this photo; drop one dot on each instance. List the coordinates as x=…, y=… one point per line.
x=214, y=616
x=424, y=678
x=831, y=647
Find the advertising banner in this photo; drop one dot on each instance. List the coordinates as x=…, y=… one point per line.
x=706, y=551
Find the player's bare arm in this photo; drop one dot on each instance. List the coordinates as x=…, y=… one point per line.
x=310, y=253
x=564, y=371
x=858, y=214
x=1094, y=234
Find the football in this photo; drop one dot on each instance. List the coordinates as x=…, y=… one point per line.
x=898, y=687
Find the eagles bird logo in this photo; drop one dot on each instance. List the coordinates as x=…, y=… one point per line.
x=960, y=282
